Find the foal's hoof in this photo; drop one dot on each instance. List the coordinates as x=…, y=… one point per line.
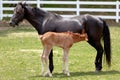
x=47, y=75
x=50, y=75
x=66, y=73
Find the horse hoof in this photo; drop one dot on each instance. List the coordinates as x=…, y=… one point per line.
x=47, y=75
x=68, y=74
x=97, y=71
x=50, y=75
x=64, y=72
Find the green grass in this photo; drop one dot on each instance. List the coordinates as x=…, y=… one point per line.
x=20, y=51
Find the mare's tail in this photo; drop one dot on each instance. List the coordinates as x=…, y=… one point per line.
x=107, y=43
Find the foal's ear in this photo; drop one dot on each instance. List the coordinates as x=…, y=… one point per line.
x=83, y=31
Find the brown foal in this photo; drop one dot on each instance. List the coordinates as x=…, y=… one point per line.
x=64, y=40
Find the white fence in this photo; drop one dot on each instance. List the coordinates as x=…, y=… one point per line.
x=76, y=8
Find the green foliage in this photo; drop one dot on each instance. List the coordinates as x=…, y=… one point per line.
x=20, y=51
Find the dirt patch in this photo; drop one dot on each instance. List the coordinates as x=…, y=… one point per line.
x=4, y=28
x=4, y=25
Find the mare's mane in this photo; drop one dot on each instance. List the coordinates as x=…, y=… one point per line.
x=43, y=13
x=39, y=12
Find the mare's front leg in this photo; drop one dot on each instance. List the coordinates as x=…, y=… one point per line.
x=51, y=66
x=65, y=62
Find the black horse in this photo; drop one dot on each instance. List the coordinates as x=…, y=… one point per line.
x=44, y=21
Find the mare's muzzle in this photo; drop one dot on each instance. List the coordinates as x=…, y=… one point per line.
x=12, y=23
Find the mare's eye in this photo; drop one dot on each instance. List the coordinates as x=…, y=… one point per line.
x=18, y=12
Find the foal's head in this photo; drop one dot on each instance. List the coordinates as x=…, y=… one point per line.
x=79, y=37
x=18, y=14
x=83, y=37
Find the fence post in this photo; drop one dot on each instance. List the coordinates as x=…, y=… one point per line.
x=117, y=11
x=38, y=3
x=77, y=7
x=1, y=10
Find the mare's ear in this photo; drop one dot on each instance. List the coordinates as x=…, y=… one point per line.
x=23, y=4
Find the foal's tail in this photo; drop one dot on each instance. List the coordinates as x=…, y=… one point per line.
x=107, y=43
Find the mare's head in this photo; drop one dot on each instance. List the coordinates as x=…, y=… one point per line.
x=18, y=14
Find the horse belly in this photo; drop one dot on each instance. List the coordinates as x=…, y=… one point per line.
x=63, y=42
x=68, y=26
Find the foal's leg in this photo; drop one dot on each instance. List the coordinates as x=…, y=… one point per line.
x=42, y=62
x=47, y=52
x=65, y=62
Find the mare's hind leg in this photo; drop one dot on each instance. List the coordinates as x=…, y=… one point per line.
x=98, y=61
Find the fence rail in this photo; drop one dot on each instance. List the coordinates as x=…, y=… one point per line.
x=76, y=10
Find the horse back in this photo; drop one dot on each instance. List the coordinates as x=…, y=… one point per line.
x=93, y=27
x=63, y=40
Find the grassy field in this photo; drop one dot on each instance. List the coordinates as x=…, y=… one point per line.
x=20, y=51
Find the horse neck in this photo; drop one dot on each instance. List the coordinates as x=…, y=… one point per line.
x=34, y=20
x=36, y=23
